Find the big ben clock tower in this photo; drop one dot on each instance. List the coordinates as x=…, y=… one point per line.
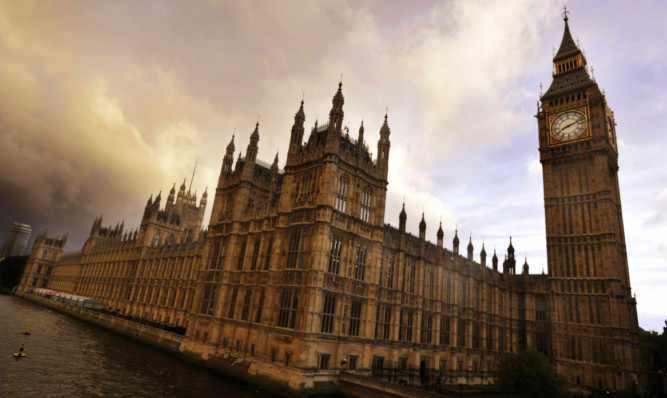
x=594, y=324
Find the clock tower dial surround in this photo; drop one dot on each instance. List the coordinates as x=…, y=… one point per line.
x=594, y=330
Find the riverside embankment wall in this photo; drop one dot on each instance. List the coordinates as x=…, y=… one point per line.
x=146, y=334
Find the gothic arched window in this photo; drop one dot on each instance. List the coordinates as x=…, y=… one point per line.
x=341, y=194
x=365, y=205
x=156, y=239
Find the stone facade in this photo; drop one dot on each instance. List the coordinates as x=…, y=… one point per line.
x=299, y=275
x=149, y=273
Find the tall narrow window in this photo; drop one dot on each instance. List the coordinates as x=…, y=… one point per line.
x=461, y=338
x=328, y=314
x=365, y=205
x=489, y=337
x=341, y=194
x=305, y=190
x=387, y=323
x=324, y=361
x=360, y=263
x=267, y=261
x=246, y=305
x=208, y=299
x=232, y=303
x=541, y=309
x=260, y=305
x=229, y=205
x=217, y=254
x=427, y=328
x=156, y=238
x=289, y=301
x=239, y=266
x=255, y=255
x=409, y=276
x=444, y=330
x=334, y=256
x=405, y=326
x=388, y=273
x=383, y=321
x=297, y=248
x=355, y=317
x=476, y=339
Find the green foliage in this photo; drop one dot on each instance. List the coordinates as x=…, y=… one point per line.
x=654, y=350
x=11, y=270
x=529, y=374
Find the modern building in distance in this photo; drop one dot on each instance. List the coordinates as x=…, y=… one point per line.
x=298, y=276
x=16, y=240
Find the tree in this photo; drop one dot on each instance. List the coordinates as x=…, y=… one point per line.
x=530, y=374
x=11, y=270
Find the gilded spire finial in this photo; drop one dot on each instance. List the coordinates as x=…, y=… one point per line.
x=541, y=89
x=593, y=73
x=565, y=13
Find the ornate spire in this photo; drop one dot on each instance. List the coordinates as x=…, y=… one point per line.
x=172, y=192
x=296, y=138
x=422, y=227
x=274, y=167
x=251, y=152
x=255, y=133
x=567, y=45
x=336, y=113
x=482, y=255
x=230, y=147
x=510, y=248
x=360, y=140
x=384, y=130
x=402, y=218
x=440, y=234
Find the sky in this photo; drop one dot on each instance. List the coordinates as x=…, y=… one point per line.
x=104, y=103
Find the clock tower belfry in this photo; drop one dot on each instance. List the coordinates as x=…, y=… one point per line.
x=594, y=325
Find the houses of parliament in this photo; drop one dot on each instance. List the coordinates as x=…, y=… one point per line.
x=299, y=277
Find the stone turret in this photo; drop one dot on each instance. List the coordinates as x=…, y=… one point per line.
x=455, y=241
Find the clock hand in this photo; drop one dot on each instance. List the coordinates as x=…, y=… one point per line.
x=569, y=125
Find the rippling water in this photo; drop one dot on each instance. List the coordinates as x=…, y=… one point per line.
x=69, y=358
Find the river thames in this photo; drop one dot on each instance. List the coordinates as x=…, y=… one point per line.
x=69, y=358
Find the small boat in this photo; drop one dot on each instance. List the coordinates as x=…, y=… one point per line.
x=27, y=330
x=20, y=354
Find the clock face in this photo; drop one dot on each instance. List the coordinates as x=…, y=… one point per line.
x=568, y=126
